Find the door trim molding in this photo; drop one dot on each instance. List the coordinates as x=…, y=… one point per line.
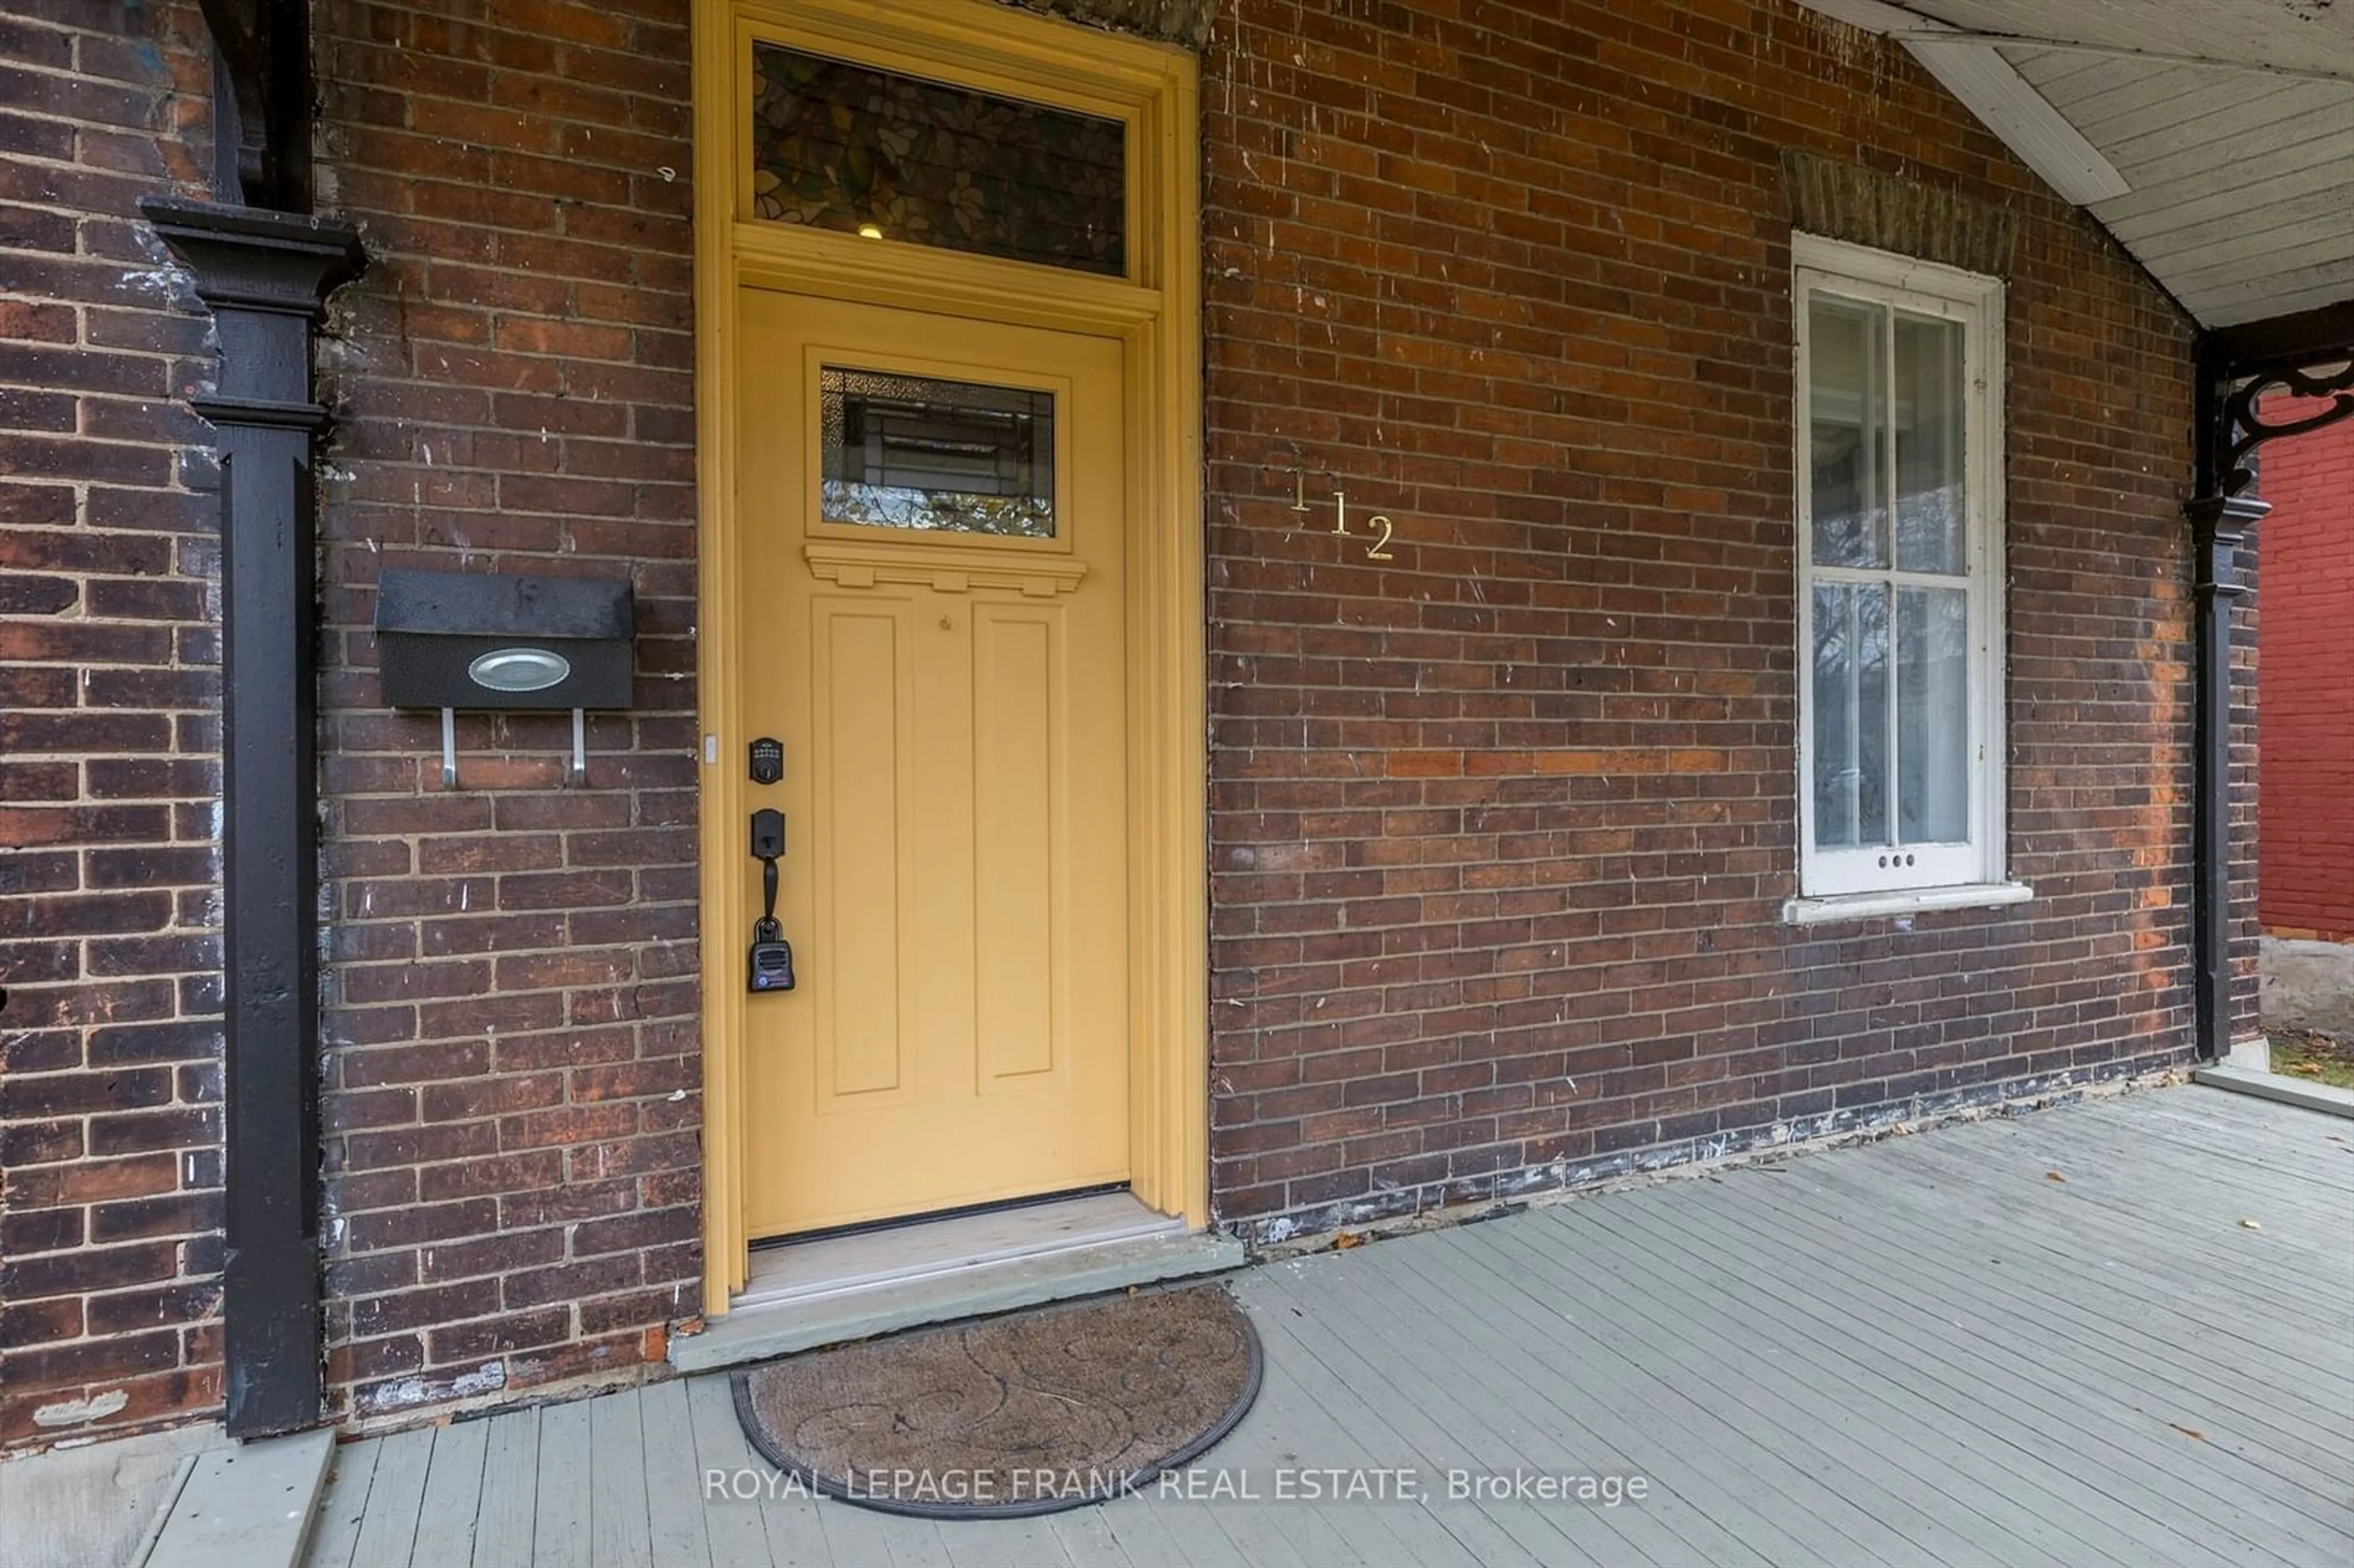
x=1039, y=575
x=1156, y=313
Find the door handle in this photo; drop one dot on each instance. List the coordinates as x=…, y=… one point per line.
x=771, y=960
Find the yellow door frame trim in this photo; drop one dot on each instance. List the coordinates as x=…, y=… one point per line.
x=1156, y=314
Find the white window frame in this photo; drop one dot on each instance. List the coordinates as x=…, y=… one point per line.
x=1838, y=882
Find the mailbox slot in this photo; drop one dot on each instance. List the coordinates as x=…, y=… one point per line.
x=496, y=640
x=504, y=643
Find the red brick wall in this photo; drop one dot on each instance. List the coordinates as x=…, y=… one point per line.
x=1500, y=829
x=109, y=1042
x=513, y=1078
x=2243, y=940
x=2306, y=788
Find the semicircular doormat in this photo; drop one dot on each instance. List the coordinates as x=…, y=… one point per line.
x=1021, y=1415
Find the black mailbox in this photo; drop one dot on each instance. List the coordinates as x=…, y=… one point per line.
x=493, y=640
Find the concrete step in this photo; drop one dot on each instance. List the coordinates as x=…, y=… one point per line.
x=2326, y=1098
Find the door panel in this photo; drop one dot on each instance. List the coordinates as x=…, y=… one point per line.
x=947, y=670
x=1019, y=755
x=856, y=678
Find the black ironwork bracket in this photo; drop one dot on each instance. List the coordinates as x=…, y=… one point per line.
x=2245, y=428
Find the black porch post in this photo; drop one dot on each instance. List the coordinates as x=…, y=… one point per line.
x=266, y=275
x=2307, y=355
x=2219, y=527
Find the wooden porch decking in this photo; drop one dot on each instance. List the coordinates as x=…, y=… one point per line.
x=1926, y=1350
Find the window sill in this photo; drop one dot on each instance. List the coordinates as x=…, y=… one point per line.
x=1914, y=901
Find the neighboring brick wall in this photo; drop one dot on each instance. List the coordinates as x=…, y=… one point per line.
x=2244, y=938
x=514, y=1083
x=109, y=1042
x=1500, y=829
x=2306, y=788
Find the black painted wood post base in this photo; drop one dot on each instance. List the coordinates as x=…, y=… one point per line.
x=2219, y=528
x=267, y=276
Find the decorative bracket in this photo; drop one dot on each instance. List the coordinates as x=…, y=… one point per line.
x=2307, y=354
x=2246, y=429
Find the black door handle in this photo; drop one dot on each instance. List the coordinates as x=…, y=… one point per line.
x=773, y=956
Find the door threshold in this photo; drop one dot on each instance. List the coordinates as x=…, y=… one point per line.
x=850, y=1260
x=857, y=1285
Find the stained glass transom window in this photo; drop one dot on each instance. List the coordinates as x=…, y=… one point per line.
x=861, y=151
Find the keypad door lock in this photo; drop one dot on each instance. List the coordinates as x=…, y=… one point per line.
x=771, y=960
x=768, y=761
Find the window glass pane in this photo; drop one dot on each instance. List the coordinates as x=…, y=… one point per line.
x=1844, y=374
x=841, y=146
x=1933, y=716
x=1850, y=718
x=1929, y=472
x=903, y=451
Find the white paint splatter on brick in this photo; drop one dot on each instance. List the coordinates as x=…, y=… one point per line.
x=75, y=1412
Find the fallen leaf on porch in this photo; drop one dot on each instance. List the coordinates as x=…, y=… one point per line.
x=2188, y=1431
x=1348, y=1239
x=2250, y=1226
x=2053, y=1176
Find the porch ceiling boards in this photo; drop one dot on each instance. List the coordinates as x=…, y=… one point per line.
x=2108, y=1334
x=2229, y=125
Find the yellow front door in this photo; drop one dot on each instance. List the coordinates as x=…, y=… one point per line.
x=932, y=559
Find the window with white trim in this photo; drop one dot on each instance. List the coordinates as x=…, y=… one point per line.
x=1900, y=511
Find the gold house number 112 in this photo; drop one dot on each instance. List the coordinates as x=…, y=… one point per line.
x=1376, y=550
